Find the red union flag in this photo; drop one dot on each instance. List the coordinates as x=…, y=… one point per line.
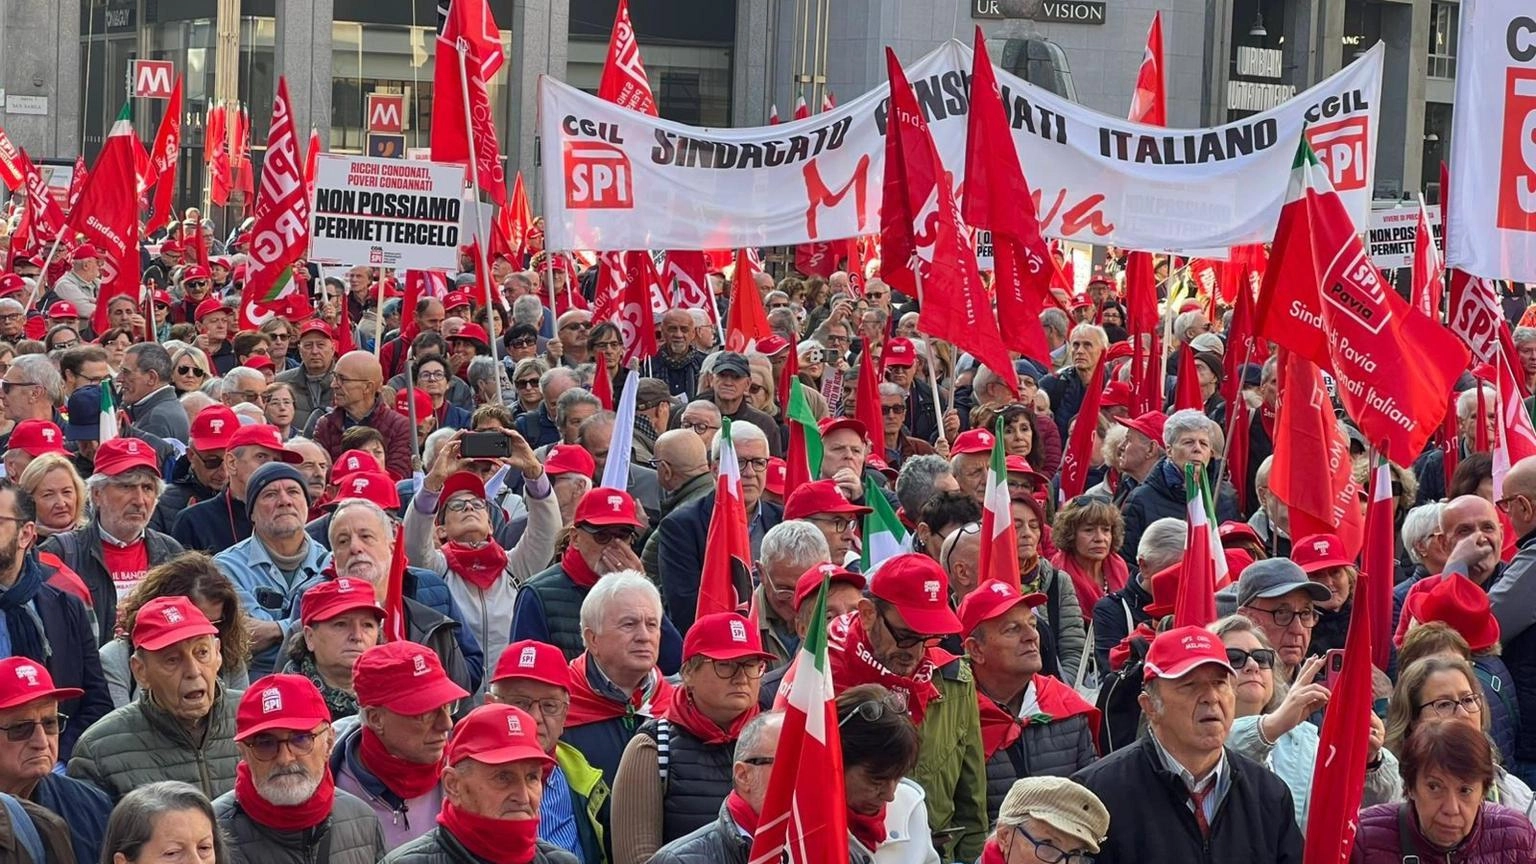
x=624, y=81
x=280, y=235
x=471, y=27
x=163, y=159
x=1312, y=472
x=636, y=310
x=1325, y=300
x=1428, y=268
x=686, y=272
x=12, y=170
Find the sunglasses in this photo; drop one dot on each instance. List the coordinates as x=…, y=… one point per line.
x=212, y=463
x=889, y=410
x=523, y=342
x=1264, y=657
x=527, y=383
x=191, y=370
x=582, y=325
x=23, y=731
x=605, y=536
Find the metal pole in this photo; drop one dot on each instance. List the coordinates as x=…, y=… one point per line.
x=474, y=171
x=933, y=371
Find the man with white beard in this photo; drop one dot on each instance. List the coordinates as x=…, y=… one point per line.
x=285, y=805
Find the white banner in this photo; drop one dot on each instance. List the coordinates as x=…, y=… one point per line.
x=1394, y=230
x=387, y=213
x=1493, y=143
x=616, y=179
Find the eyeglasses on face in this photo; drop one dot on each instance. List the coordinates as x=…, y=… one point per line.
x=578, y=325
x=728, y=669
x=266, y=747
x=192, y=371
x=461, y=504
x=547, y=707
x=24, y=730
x=906, y=638
x=523, y=342
x=893, y=410
x=699, y=427
x=1047, y=852
x=1284, y=615
x=1471, y=703
x=605, y=536
x=838, y=524
x=756, y=466
x=432, y=375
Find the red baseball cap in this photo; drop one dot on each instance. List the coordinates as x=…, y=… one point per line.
x=1315, y=553
x=24, y=680
x=36, y=327
x=723, y=636
x=11, y=284
x=220, y=261
x=403, y=677
x=353, y=461
x=1174, y=653
x=828, y=425
x=972, y=441
x=778, y=475
x=535, y=661
x=36, y=437
x=62, y=309
x=332, y=597
x=875, y=461
x=919, y=589
x=1165, y=590
x=118, y=456
x=316, y=325
x=289, y=702
x=473, y=333
x=211, y=306
x=1235, y=531
x=991, y=599
x=167, y=620
x=497, y=735
x=1018, y=465
x=455, y=300
x=267, y=437
x=1456, y=601
x=1149, y=424
x=372, y=486
x=772, y=345
x=604, y=505
x=163, y=298
x=1122, y=350
x=821, y=496
x=1081, y=301
x=1117, y=394
x=169, y=244
x=810, y=581
x=258, y=362
x=462, y=481
x=212, y=428
x=195, y=271
x=84, y=251
x=423, y=402
x=569, y=459
x=899, y=351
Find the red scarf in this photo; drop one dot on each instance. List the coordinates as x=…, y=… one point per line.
x=1057, y=701
x=499, y=841
x=299, y=817
x=480, y=565
x=685, y=712
x=576, y=567
x=868, y=830
x=992, y=853
x=853, y=663
x=741, y=812
x=1089, y=591
x=589, y=706
x=402, y=777
x=1121, y=653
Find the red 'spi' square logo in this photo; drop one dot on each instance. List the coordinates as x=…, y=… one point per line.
x=597, y=177
x=1517, y=162
x=1344, y=148
x=375, y=255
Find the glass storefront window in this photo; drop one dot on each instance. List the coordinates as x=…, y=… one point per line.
x=691, y=83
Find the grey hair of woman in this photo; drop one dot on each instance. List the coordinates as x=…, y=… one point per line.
x=1240, y=624
x=132, y=823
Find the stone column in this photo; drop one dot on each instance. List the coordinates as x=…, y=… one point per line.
x=540, y=34
x=41, y=58
x=302, y=52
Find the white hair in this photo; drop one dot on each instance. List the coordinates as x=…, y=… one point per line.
x=1092, y=332
x=1189, y=420
x=96, y=482
x=1466, y=403
x=1186, y=320
x=608, y=589
x=740, y=431
x=795, y=542
x=1421, y=523
x=386, y=525
x=435, y=443
x=1161, y=545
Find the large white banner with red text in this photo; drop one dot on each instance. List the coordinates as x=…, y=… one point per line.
x=1492, y=221
x=617, y=179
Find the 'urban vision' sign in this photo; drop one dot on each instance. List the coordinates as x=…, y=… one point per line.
x=1056, y=11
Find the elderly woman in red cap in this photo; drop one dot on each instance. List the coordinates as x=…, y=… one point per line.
x=676, y=771
x=1323, y=559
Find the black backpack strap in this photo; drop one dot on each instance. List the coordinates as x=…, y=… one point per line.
x=1405, y=843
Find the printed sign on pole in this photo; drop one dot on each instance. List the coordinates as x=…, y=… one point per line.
x=387, y=212
x=1393, y=232
x=386, y=112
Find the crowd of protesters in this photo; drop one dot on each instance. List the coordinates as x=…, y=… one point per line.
x=204, y=530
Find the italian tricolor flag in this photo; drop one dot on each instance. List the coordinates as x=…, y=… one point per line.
x=999, y=542
x=884, y=535
x=804, y=817
x=1196, y=603
x=107, y=214
x=803, y=457
x=108, y=412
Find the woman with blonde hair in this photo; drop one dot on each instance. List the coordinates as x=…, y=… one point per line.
x=53, y=482
x=189, y=369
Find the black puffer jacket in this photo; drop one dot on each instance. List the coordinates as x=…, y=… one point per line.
x=350, y=836
x=719, y=842
x=1162, y=495
x=439, y=847
x=1056, y=749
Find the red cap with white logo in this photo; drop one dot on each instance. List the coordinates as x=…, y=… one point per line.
x=353, y=461
x=167, y=620
x=723, y=636
x=605, y=505
x=497, y=735
x=991, y=599
x=375, y=486
x=289, y=702
x=1175, y=653
x=24, y=680
x=1315, y=553
x=535, y=661
x=335, y=597
x=919, y=589
x=36, y=437
x=212, y=428
x=972, y=441
x=810, y=581
x=403, y=677
x=117, y=456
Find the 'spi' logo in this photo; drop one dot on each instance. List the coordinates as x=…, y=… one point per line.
x=29, y=673
x=1000, y=588
x=738, y=632
x=172, y=615
x=931, y=588
x=418, y=665
x=527, y=658
x=271, y=700
x=514, y=725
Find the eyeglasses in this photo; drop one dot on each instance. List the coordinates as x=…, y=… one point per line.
x=836, y=523
x=1502, y=503
x=266, y=747
x=1264, y=657
x=24, y=730
x=1285, y=615
x=870, y=711
x=65, y=346
x=892, y=410
x=8, y=386
x=1049, y=853
x=700, y=428
x=459, y=505
x=756, y=466
x=435, y=375
x=191, y=370
x=1472, y=703
x=759, y=761
x=279, y=403
x=197, y=283
x=906, y=638
x=250, y=395
x=728, y=669
x=547, y=707
x=523, y=342
x=11, y=316
x=212, y=463
x=604, y=536
x=578, y=325
x=757, y=389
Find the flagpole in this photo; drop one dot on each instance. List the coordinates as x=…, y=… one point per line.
x=42, y=275
x=549, y=282
x=462, y=47
x=933, y=371
x=378, y=317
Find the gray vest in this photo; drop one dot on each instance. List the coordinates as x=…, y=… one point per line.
x=695, y=777
x=561, y=598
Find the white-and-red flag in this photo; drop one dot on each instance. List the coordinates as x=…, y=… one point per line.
x=78, y=177
x=164, y=158
x=636, y=311
x=107, y=215
x=924, y=252
x=1428, y=268
x=827, y=102
x=773, y=115
x=999, y=542
x=998, y=197
x=47, y=217
x=687, y=273
x=1149, y=102
x=12, y=172
x=1517, y=438
x=472, y=28
x=727, y=549
x=802, y=110
x=280, y=235
x=624, y=81
x=1195, y=603
x=804, y=818
x=311, y=163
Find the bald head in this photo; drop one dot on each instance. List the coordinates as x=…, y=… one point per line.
x=1520, y=495
x=357, y=382
x=680, y=457
x=1473, y=516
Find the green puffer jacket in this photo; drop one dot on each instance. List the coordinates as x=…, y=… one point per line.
x=350, y=836
x=951, y=767
x=140, y=743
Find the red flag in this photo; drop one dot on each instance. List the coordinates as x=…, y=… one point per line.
x=866, y=406
x=21, y=238
x=216, y=154
x=1195, y=604
x=1378, y=562
x=827, y=102
x=1242, y=347
x=164, y=159
x=512, y=226
x=1338, y=778
x=855, y=253
x=1448, y=439
x=78, y=177
x=919, y=207
x=999, y=198
x=773, y=115
x=727, y=549
x=12, y=163
x=471, y=26
x=635, y=314
x=602, y=382
x=612, y=275
x=624, y=81
x=687, y=273
x=1235, y=458
x=1480, y=428
x=1149, y=387
x=48, y=219
x=280, y=234
x=344, y=340
x=107, y=215
x=241, y=162
x=1186, y=391
x=746, y=322
x=1428, y=268
x=394, y=593
x=1312, y=472
x=1517, y=438
x=1075, y=463
x=1149, y=103
x=1324, y=299
x=789, y=373
x=311, y=163
x=1140, y=322
x=816, y=259
x=802, y=110
x=999, y=556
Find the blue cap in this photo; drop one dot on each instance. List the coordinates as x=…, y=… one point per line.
x=84, y=409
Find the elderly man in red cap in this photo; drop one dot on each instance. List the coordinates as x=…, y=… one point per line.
x=196, y=286
x=198, y=475
x=892, y=639
x=81, y=284
x=969, y=457
x=823, y=504
x=29, y=703
x=899, y=365
x=214, y=322
x=1139, y=451
x=115, y=549
x=1178, y=794
x=393, y=759
x=494, y=788
x=535, y=677
x=1031, y=723
x=183, y=725
x=225, y=519
x=30, y=439
x=311, y=380
x=285, y=805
